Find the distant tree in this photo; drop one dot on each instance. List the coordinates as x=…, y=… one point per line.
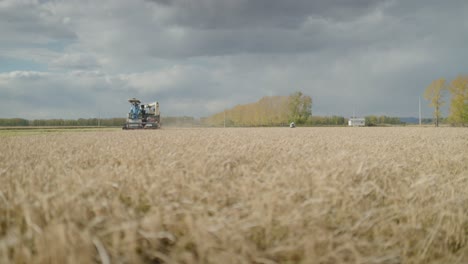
x=300, y=107
x=371, y=120
x=434, y=94
x=459, y=101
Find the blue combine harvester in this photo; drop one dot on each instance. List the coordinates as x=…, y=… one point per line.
x=143, y=116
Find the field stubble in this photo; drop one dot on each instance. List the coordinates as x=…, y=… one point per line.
x=245, y=195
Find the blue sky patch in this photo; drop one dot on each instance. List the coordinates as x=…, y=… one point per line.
x=12, y=64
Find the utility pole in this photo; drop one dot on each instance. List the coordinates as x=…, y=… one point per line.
x=224, y=118
x=419, y=110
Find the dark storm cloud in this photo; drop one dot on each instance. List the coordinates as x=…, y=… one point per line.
x=23, y=23
x=212, y=14
x=209, y=27
x=161, y=2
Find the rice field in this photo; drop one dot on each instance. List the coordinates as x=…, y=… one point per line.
x=235, y=195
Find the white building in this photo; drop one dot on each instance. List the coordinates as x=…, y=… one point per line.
x=357, y=121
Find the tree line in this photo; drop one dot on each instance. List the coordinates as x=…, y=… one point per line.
x=62, y=122
x=94, y=122
x=373, y=120
x=268, y=111
x=189, y=121
x=458, y=90
x=281, y=110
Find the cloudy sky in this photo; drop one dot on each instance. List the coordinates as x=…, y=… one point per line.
x=79, y=58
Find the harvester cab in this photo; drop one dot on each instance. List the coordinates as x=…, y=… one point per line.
x=143, y=116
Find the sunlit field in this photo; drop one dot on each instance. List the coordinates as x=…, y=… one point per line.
x=235, y=195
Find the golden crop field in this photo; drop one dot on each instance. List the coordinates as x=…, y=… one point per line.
x=235, y=195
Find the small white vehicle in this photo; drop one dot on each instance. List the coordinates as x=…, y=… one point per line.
x=292, y=125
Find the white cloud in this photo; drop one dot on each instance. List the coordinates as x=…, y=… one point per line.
x=75, y=61
x=22, y=75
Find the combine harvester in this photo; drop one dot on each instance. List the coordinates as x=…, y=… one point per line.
x=143, y=116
